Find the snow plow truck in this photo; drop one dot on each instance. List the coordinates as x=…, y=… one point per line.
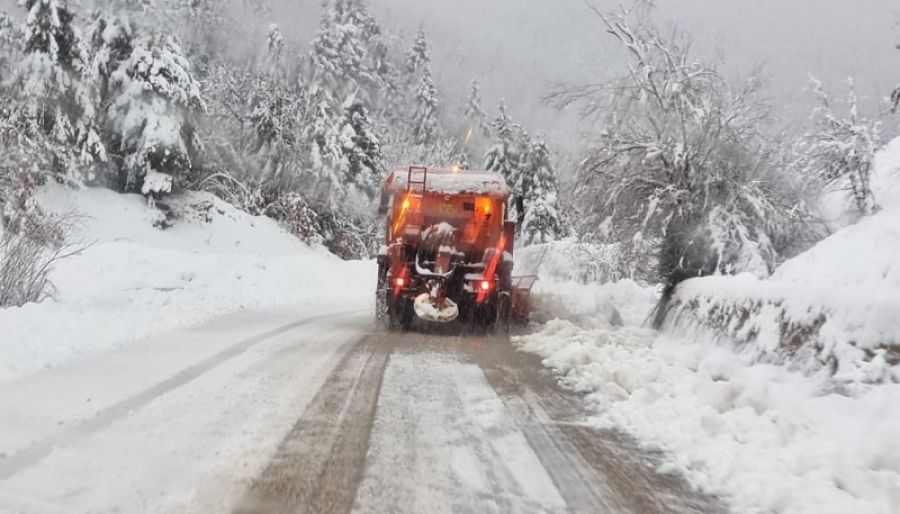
x=448, y=250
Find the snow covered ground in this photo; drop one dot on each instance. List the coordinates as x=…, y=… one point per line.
x=764, y=436
x=766, y=439
x=135, y=280
x=833, y=307
x=171, y=362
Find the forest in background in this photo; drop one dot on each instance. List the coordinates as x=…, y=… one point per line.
x=156, y=97
x=686, y=174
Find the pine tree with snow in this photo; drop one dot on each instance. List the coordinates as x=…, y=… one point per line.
x=419, y=55
x=361, y=150
x=8, y=45
x=156, y=95
x=323, y=134
x=505, y=156
x=111, y=35
x=338, y=52
x=274, y=51
x=336, y=66
x=540, y=191
x=474, y=111
x=52, y=90
x=425, y=124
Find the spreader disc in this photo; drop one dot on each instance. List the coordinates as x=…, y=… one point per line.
x=427, y=310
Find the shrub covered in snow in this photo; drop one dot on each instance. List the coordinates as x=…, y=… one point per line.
x=682, y=149
x=841, y=150
x=831, y=308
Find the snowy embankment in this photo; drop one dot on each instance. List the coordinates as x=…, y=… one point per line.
x=833, y=308
x=567, y=287
x=777, y=395
x=135, y=280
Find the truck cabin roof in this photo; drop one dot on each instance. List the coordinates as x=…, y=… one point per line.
x=442, y=181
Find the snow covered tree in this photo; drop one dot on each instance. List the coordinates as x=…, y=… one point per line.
x=53, y=94
x=8, y=44
x=681, y=148
x=425, y=124
x=349, y=74
x=505, y=156
x=841, y=150
x=540, y=192
x=474, y=111
x=362, y=164
x=419, y=55
x=156, y=96
x=339, y=52
x=111, y=36
x=323, y=134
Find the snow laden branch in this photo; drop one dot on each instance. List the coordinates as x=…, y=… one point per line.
x=682, y=151
x=840, y=151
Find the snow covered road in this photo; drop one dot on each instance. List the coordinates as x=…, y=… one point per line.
x=436, y=423
x=270, y=413
x=179, y=423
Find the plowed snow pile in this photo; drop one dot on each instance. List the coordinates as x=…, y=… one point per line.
x=136, y=280
x=780, y=437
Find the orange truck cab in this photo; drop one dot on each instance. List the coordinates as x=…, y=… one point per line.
x=448, y=247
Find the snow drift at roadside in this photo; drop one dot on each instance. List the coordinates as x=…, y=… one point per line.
x=764, y=438
x=833, y=307
x=136, y=280
x=722, y=397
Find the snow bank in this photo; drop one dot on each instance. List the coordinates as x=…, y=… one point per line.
x=136, y=280
x=765, y=439
x=714, y=396
x=852, y=334
x=575, y=284
x=834, y=307
x=568, y=261
x=886, y=177
x=623, y=302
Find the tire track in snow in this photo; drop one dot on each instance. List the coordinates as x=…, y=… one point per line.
x=595, y=471
x=33, y=454
x=320, y=463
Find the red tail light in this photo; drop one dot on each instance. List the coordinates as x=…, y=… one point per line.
x=485, y=285
x=400, y=282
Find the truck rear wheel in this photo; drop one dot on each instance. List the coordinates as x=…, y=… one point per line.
x=400, y=314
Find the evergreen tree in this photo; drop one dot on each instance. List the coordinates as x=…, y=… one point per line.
x=419, y=55
x=349, y=75
x=361, y=150
x=53, y=94
x=339, y=54
x=8, y=39
x=156, y=95
x=111, y=35
x=325, y=151
x=505, y=156
x=474, y=111
x=425, y=124
x=274, y=51
x=540, y=191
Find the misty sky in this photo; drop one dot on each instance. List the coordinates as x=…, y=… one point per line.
x=519, y=47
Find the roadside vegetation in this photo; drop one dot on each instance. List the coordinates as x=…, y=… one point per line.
x=156, y=98
x=688, y=175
